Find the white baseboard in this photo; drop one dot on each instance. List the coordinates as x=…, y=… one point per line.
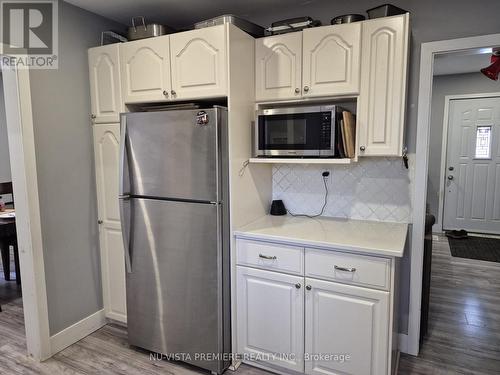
x=403, y=343
x=77, y=331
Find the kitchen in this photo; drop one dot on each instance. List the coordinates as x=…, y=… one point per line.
x=205, y=129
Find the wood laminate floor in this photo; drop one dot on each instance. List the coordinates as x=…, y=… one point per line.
x=464, y=335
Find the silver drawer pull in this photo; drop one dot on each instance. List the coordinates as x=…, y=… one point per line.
x=269, y=257
x=346, y=269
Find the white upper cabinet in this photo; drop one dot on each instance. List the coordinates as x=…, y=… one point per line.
x=199, y=63
x=345, y=319
x=382, y=98
x=278, y=67
x=145, y=70
x=105, y=91
x=331, y=58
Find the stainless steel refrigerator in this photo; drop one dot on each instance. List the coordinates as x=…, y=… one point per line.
x=174, y=212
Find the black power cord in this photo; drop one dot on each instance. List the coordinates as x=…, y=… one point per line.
x=325, y=175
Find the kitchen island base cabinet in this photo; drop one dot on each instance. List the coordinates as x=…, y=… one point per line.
x=271, y=317
x=347, y=323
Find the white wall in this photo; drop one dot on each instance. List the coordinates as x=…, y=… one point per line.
x=65, y=167
x=455, y=84
x=4, y=144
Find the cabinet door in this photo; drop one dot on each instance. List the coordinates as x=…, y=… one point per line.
x=106, y=149
x=145, y=68
x=331, y=60
x=278, y=67
x=199, y=63
x=346, y=320
x=105, y=90
x=382, y=99
x=271, y=317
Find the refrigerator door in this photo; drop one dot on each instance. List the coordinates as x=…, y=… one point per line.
x=174, y=285
x=171, y=154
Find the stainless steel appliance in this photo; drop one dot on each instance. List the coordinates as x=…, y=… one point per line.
x=149, y=30
x=250, y=28
x=174, y=213
x=297, y=131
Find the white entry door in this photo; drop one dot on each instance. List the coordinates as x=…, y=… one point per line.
x=472, y=185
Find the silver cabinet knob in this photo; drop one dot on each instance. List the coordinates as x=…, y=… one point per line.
x=298, y=285
x=92, y=116
x=362, y=148
x=173, y=92
x=306, y=88
x=450, y=177
x=100, y=221
x=308, y=287
x=165, y=92
x=297, y=90
x=451, y=168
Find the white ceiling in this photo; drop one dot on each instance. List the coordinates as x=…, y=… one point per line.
x=461, y=62
x=181, y=13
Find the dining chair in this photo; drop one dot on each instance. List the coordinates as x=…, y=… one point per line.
x=8, y=238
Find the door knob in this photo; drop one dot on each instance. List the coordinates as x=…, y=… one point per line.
x=308, y=287
x=298, y=286
x=92, y=116
x=173, y=92
x=165, y=92
x=450, y=177
x=362, y=148
x=297, y=90
x=451, y=168
x=306, y=88
x=100, y=221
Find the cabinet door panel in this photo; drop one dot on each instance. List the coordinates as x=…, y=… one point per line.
x=331, y=60
x=278, y=67
x=145, y=67
x=105, y=88
x=199, y=63
x=346, y=320
x=382, y=100
x=106, y=149
x=271, y=317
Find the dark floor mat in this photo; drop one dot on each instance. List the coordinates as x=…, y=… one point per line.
x=480, y=248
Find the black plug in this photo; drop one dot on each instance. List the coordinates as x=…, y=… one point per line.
x=325, y=174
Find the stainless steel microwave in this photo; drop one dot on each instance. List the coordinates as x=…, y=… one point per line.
x=297, y=131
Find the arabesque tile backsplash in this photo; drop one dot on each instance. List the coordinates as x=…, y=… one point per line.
x=371, y=189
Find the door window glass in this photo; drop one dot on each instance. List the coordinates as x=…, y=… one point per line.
x=483, y=142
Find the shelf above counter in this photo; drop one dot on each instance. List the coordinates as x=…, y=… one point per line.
x=301, y=161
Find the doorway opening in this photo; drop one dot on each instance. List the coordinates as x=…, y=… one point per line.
x=460, y=109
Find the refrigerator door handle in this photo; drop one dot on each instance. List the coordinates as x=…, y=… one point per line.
x=124, y=178
x=126, y=224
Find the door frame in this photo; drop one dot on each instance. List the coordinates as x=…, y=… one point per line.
x=427, y=52
x=444, y=148
x=20, y=134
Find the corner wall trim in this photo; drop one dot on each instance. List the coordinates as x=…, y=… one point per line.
x=403, y=343
x=77, y=331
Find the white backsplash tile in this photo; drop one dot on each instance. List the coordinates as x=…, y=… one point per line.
x=372, y=189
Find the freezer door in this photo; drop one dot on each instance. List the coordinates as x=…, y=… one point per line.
x=171, y=154
x=174, y=285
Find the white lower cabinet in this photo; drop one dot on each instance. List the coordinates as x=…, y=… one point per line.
x=106, y=151
x=271, y=317
x=313, y=326
x=346, y=329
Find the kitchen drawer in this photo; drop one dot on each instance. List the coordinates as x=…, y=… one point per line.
x=270, y=256
x=348, y=268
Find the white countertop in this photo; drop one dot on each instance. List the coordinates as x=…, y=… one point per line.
x=369, y=237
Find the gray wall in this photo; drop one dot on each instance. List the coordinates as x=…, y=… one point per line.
x=63, y=142
x=454, y=84
x=430, y=20
x=4, y=143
